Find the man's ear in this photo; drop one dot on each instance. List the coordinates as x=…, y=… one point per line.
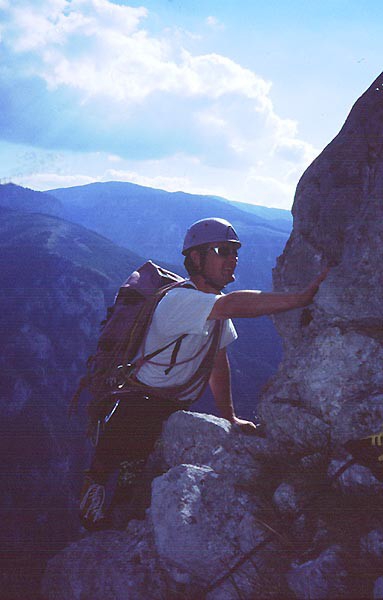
x=196, y=258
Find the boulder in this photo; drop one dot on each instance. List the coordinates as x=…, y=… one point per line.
x=204, y=533
x=323, y=578
x=109, y=564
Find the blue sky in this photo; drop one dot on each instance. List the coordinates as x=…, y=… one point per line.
x=230, y=98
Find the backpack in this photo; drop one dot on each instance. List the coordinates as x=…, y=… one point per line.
x=110, y=371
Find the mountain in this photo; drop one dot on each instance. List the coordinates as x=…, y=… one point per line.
x=279, y=218
x=56, y=279
x=19, y=198
x=154, y=222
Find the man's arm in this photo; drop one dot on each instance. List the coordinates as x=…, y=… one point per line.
x=220, y=385
x=251, y=303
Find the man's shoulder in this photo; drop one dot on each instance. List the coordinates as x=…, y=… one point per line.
x=182, y=292
x=185, y=286
x=186, y=298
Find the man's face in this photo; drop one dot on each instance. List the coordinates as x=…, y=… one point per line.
x=220, y=263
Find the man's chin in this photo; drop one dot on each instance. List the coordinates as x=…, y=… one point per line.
x=228, y=281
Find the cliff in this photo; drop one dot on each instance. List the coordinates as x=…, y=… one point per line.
x=233, y=516
x=329, y=385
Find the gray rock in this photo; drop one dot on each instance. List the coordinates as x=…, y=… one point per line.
x=202, y=536
x=356, y=480
x=259, y=578
x=294, y=429
x=201, y=523
x=286, y=499
x=378, y=589
x=359, y=417
x=324, y=578
x=372, y=544
x=200, y=439
x=20, y=397
x=329, y=386
x=110, y=564
x=331, y=373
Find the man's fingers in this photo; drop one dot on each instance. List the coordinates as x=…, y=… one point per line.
x=322, y=275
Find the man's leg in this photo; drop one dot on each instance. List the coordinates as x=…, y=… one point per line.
x=128, y=439
x=105, y=461
x=133, y=489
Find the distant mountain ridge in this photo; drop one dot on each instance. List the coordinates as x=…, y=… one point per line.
x=153, y=223
x=56, y=279
x=278, y=218
x=20, y=198
x=133, y=189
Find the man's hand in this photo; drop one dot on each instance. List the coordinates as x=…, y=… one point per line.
x=309, y=293
x=249, y=427
x=252, y=303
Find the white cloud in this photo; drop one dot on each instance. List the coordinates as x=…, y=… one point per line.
x=46, y=181
x=214, y=23
x=55, y=21
x=114, y=158
x=139, y=88
x=272, y=191
x=294, y=150
x=170, y=184
x=99, y=48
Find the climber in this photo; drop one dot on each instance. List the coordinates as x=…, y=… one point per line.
x=199, y=315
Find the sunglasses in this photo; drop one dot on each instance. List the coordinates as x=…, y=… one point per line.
x=224, y=251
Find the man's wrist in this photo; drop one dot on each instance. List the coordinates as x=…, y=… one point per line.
x=231, y=418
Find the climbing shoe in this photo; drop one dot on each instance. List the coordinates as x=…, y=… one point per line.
x=92, y=501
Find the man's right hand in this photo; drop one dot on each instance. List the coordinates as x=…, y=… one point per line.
x=252, y=303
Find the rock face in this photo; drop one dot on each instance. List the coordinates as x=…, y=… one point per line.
x=205, y=535
x=329, y=387
x=240, y=517
x=331, y=377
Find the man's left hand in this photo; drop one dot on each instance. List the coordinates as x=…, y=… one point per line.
x=249, y=427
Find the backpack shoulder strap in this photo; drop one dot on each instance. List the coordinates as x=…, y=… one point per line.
x=151, y=309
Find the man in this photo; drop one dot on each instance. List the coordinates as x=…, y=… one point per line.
x=198, y=316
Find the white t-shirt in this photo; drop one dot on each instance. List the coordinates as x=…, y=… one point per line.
x=182, y=310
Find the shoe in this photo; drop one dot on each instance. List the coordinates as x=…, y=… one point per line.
x=92, y=501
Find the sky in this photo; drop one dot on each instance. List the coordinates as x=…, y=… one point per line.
x=231, y=98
